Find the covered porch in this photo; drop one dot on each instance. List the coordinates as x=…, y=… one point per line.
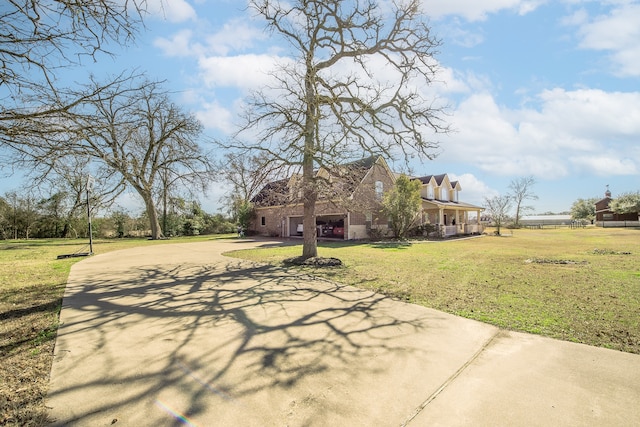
x=452, y=218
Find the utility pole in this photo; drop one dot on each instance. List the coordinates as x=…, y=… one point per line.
x=89, y=189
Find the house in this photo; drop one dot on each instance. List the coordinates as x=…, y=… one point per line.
x=349, y=204
x=441, y=206
x=607, y=218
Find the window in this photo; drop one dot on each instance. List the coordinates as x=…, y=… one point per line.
x=263, y=221
x=444, y=194
x=379, y=190
x=429, y=191
x=455, y=195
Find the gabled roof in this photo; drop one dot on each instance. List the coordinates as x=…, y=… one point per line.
x=357, y=170
x=366, y=163
x=271, y=193
x=427, y=180
x=439, y=180
x=352, y=174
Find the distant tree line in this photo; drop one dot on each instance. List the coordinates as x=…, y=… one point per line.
x=63, y=215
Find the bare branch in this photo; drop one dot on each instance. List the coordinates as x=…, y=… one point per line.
x=354, y=87
x=128, y=126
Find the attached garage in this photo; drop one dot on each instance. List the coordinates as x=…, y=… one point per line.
x=328, y=226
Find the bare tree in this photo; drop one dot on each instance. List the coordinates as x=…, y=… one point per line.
x=353, y=85
x=132, y=128
x=521, y=190
x=248, y=173
x=69, y=177
x=40, y=39
x=18, y=214
x=5, y=219
x=498, y=207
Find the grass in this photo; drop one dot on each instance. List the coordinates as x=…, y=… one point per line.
x=32, y=282
x=577, y=285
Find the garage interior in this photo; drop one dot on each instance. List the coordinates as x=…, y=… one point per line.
x=328, y=226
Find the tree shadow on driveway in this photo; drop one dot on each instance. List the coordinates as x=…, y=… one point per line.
x=232, y=341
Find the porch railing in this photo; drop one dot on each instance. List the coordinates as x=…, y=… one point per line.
x=473, y=228
x=449, y=230
x=454, y=230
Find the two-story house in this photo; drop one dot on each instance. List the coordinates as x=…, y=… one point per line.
x=441, y=206
x=349, y=205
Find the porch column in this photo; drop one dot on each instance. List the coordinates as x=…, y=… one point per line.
x=441, y=216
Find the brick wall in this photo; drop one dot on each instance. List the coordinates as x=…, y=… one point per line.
x=364, y=207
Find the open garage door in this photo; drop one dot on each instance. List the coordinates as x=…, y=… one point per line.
x=295, y=226
x=331, y=226
x=328, y=226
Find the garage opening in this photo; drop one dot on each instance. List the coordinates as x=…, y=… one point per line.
x=330, y=226
x=327, y=226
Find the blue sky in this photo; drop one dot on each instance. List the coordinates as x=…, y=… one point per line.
x=543, y=88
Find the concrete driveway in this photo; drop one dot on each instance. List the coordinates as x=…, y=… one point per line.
x=178, y=334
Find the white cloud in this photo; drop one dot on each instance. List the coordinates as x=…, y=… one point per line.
x=607, y=164
x=452, y=82
x=217, y=118
x=245, y=72
x=458, y=32
x=236, y=35
x=171, y=10
x=473, y=189
x=474, y=10
x=179, y=45
x=617, y=32
x=570, y=132
x=593, y=114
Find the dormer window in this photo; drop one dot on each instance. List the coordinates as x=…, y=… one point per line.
x=444, y=194
x=430, y=192
x=455, y=195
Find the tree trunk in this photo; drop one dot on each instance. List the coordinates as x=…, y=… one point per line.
x=310, y=244
x=154, y=223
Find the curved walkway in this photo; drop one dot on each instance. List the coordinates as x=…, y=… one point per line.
x=180, y=335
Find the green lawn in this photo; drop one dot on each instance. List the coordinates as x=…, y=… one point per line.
x=580, y=285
